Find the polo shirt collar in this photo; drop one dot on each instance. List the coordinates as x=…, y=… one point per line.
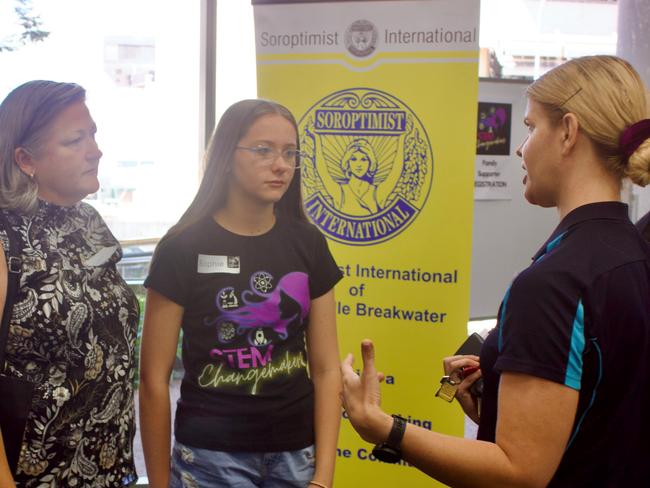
x=590, y=211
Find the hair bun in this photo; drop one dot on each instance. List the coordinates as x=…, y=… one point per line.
x=638, y=164
x=633, y=136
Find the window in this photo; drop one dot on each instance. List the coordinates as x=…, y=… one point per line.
x=526, y=38
x=236, y=77
x=139, y=62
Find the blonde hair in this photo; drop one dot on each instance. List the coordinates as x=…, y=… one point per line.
x=607, y=95
x=26, y=116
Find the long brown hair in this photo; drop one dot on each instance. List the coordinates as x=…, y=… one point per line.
x=213, y=190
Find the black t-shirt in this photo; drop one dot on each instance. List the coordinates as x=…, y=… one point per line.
x=580, y=316
x=246, y=306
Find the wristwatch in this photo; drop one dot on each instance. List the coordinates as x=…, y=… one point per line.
x=390, y=451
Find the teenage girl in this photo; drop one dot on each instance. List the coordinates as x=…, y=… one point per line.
x=250, y=283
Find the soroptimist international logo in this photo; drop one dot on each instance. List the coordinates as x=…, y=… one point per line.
x=361, y=38
x=368, y=165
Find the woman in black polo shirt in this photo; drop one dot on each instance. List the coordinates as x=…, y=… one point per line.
x=567, y=368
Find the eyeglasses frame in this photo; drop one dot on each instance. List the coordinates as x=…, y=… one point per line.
x=273, y=156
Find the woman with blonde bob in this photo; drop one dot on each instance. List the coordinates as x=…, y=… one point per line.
x=567, y=368
x=73, y=324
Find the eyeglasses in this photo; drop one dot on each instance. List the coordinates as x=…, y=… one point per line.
x=265, y=155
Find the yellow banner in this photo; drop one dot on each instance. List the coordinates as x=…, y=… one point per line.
x=386, y=94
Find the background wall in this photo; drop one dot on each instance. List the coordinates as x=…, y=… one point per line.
x=634, y=45
x=506, y=233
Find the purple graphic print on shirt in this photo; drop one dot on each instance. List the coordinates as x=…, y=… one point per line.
x=275, y=310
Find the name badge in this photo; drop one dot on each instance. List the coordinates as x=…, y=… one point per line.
x=217, y=264
x=101, y=257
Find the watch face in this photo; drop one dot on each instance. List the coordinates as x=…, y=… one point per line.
x=387, y=454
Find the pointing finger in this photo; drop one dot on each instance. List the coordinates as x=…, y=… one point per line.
x=368, y=355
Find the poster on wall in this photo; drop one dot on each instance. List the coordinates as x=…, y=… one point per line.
x=493, y=164
x=493, y=128
x=385, y=94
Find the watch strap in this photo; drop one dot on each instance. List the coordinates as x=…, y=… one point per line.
x=396, y=432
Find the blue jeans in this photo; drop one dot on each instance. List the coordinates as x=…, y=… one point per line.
x=203, y=468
